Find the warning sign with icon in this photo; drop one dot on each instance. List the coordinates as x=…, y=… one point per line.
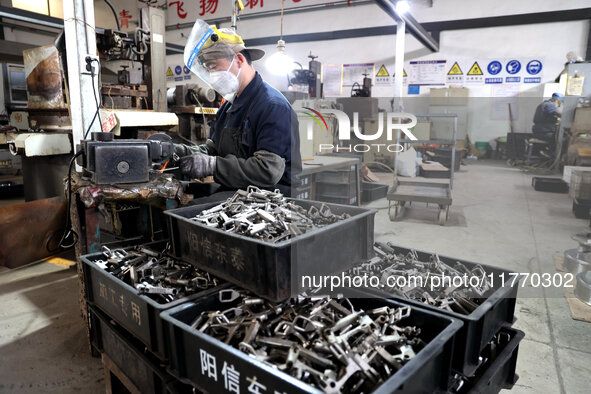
x=475, y=75
x=455, y=75
x=382, y=72
x=475, y=69
x=383, y=76
x=169, y=74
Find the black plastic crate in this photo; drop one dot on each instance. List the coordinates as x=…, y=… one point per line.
x=582, y=208
x=272, y=270
x=434, y=173
x=499, y=372
x=146, y=373
x=552, y=185
x=191, y=350
x=346, y=200
x=443, y=156
x=480, y=325
x=337, y=176
x=372, y=191
x=336, y=189
x=137, y=313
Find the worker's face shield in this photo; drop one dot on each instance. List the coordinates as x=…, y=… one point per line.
x=211, y=59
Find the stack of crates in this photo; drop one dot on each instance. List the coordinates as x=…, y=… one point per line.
x=159, y=351
x=337, y=186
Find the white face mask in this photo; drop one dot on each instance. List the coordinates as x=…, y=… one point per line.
x=225, y=82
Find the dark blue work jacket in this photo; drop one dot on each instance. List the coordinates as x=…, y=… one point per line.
x=260, y=118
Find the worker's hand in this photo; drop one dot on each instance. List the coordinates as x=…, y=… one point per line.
x=198, y=165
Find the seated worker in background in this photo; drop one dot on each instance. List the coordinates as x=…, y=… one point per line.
x=546, y=117
x=255, y=137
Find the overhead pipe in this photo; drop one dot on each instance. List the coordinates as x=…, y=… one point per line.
x=413, y=27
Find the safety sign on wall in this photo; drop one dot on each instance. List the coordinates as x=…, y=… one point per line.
x=475, y=74
x=169, y=74
x=494, y=71
x=514, y=71
x=427, y=72
x=384, y=78
x=186, y=73
x=455, y=75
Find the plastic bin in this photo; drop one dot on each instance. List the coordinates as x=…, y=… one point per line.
x=580, y=185
x=336, y=189
x=427, y=372
x=337, y=176
x=372, y=191
x=480, y=325
x=337, y=200
x=552, y=185
x=137, y=313
x=443, y=156
x=272, y=271
x=499, y=372
x=582, y=208
x=147, y=374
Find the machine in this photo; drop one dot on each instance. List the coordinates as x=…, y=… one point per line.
x=109, y=161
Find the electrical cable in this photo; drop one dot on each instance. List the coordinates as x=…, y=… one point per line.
x=114, y=13
x=97, y=113
x=68, y=231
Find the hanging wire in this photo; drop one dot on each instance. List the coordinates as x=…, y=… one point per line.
x=281, y=35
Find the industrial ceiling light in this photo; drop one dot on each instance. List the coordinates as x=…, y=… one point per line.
x=402, y=6
x=280, y=63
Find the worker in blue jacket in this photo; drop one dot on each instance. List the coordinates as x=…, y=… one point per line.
x=546, y=117
x=255, y=137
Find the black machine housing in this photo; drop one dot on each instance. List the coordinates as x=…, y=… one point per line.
x=109, y=161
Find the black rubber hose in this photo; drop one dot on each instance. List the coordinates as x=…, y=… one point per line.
x=114, y=14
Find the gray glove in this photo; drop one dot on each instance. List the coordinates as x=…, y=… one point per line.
x=198, y=165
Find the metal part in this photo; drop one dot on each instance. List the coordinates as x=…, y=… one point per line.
x=579, y=260
x=324, y=342
x=266, y=215
x=425, y=281
x=155, y=274
x=583, y=287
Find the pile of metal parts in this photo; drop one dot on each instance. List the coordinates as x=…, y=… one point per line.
x=156, y=274
x=388, y=265
x=325, y=342
x=266, y=215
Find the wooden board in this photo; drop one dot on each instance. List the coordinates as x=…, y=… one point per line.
x=25, y=228
x=578, y=309
x=114, y=378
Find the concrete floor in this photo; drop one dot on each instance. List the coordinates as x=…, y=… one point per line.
x=496, y=219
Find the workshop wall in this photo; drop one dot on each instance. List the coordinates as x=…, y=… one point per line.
x=547, y=42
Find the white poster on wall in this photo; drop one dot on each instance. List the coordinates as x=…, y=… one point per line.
x=504, y=100
x=332, y=79
x=427, y=72
x=354, y=73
